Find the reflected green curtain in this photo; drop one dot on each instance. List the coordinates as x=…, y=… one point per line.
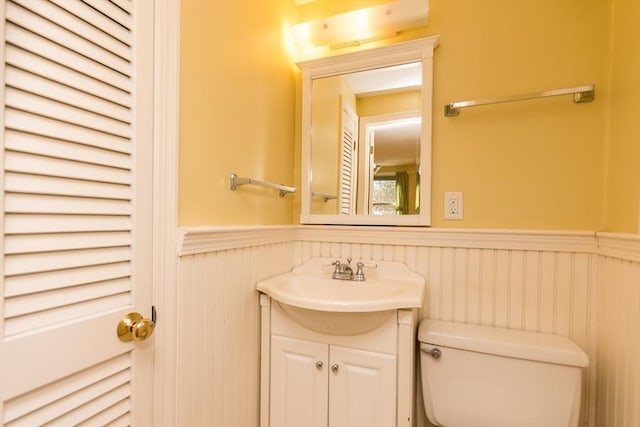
x=418, y=193
x=402, y=193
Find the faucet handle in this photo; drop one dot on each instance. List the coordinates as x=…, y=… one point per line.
x=359, y=272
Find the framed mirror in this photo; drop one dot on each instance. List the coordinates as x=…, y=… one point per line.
x=366, y=136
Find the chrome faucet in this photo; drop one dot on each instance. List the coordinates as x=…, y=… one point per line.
x=344, y=271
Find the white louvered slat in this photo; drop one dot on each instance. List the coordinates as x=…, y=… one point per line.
x=30, y=164
x=25, y=203
x=42, y=319
x=125, y=5
x=33, y=124
x=50, y=70
x=25, y=101
x=41, y=397
x=117, y=415
x=37, y=262
x=113, y=11
x=60, y=407
x=55, y=148
x=83, y=413
x=24, y=305
x=27, y=82
x=78, y=26
x=110, y=9
x=25, y=244
x=95, y=18
x=41, y=46
x=36, y=184
x=50, y=280
x=39, y=223
x=65, y=38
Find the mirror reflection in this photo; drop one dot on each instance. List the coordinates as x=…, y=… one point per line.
x=365, y=142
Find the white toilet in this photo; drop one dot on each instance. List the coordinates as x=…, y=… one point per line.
x=478, y=376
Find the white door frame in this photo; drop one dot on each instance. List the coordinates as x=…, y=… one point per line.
x=165, y=208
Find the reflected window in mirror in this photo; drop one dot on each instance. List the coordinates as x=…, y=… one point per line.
x=384, y=196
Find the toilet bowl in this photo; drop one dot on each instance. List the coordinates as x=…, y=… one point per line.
x=479, y=376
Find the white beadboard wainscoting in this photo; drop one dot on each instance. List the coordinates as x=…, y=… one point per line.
x=581, y=285
x=618, y=318
x=218, y=317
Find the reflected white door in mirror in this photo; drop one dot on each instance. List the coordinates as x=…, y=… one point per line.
x=366, y=136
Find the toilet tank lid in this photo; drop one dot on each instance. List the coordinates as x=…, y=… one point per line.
x=503, y=342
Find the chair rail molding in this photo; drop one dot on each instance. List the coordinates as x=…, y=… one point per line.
x=203, y=239
x=194, y=240
x=541, y=240
x=619, y=245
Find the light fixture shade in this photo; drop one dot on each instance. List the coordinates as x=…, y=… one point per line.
x=362, y=25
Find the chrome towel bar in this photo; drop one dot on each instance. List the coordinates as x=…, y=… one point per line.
x=235, y=181
x=580, y=94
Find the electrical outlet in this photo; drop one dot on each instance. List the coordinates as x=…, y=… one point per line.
x=453, y=205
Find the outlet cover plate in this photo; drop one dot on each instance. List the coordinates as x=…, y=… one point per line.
x=453, y=205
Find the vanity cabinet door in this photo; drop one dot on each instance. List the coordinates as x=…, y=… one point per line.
x=362, y=388
x=299, y=386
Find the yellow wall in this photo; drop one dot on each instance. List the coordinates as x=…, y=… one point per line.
x=536, y=164
x=321, y=8
x=328, y=95
x=389, y=103
x=533, y=164
x=623, y=195
x=236, y=111
x=543, y=164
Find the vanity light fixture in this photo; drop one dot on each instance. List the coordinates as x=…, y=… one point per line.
x=362, y=25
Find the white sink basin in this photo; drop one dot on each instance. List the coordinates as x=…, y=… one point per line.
x=315, y=300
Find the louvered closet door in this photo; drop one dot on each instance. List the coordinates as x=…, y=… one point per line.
x=348, y=160
x=76, y=155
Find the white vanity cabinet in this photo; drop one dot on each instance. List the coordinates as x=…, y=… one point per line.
x=299, y=386
x=317, y=379
x=315, y=384
x=362, y=388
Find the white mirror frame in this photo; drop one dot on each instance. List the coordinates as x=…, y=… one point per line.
x=396, y=54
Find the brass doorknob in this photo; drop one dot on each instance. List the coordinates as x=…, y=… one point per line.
x=135, y=327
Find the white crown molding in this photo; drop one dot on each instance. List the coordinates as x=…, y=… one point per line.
x=619, y=245
x=194, y=240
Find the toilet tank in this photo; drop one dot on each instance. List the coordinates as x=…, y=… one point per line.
x=493, y=377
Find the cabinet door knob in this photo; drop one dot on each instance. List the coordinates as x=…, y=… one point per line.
x=335, y=367
x=319, y=364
